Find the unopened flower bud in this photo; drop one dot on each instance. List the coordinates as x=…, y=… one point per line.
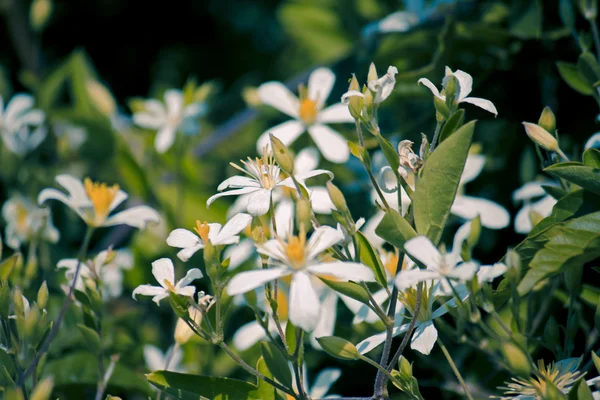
x=337, y=197
x=110, y=256
x=547, y=120
x=368, y=99
x=18, y=302
x=39, y=13
x=101, y=97
x=303, y=212
x=589, y=9
x=405, y=367
x=183, y=333
x=540, y=136
x=513, y=262
x=282, y=155
x=372, y=76
x=451, y=90
x=354, y=98
x=42, y=296
x=43, y=390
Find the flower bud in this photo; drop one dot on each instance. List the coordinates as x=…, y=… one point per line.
x=18, y=302
x=338, y=347
x=355, y=102
x=110, y=256
x=39, y=13
x=547, y=120
x=372, y=76
x=250, y=96
x=4, y=299
x=368, y=100
x=303, y=212
x=183, y=333
x=451, y=90
x=589, y=9
x=101, y=97
x=517, y=361
x=42, y=296
x=43, y=390
x=282, y=155
x=405, y=367
x=513, y=262
x=337, y=198
x=540, y=136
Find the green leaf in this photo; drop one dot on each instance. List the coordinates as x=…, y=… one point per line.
x=529, y=23
x=394, y=229
x=290, y=337
x=371, y=259
x=263, y=390
x=452, y=124
x=580, y=391
x=276, y=362
x=573, y=78
x=588, y=68
x=575, y=242
x=338, y=347
x=436, y=189
x=582, y=175
x=7, y=266
x=91, y=337
x=591, y=158
x=350, y=289
x=389, y=152
x=554, y=191
x=189, y=387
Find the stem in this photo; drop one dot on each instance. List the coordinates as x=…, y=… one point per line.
x=361, y=138
x=563, y=155
x=101, y=386
x=82, y=254
x=379, y=367
x=454, y=369
x=377, y=189
x=6, y=330
x=436, y=136
x=380, y=379
x=409, y=332
x=273, y=222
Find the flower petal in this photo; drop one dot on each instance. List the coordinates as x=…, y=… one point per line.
x=238, y=181
x=163, y=270
x=593, y=141
x=344, y=270
x=320, y=83
x=331, y=144
x=182, y=238
x=174, y=102
x=278, y=96
x=320, y=200
x=350, y=93
x=465, y=81
x=75, y=188
x=336, y=113
x=248, y=280
x=528, y=191
x=164, y=138
x=408, y=279
x=487, y=273
x=235, y=192
x=248, y=335
x=259, y=202
x=154, y=358
x=149, y=120
x=322, y=239
x=238, y=254
x=324, y=381
x=229, y=232
x=54, y=194
x=427, y=83
x=17, y=106
x=423, y=250
x=189, y=277
x=136, y=217
x=482, y=103
x=306, y=160
x=272, y=248
x=304, y=302
x=464, y=272
x=149, y=290
x=473, y=168
x=326, y=324
x=424, y=338
x=284, y=218
x=287, y=132
x=493, y=215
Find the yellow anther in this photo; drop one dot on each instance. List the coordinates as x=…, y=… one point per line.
x=202, y=229
x=308, y=111
x=409, y=300
x=295, y=250
x=392, y=264
x=21, y=217
x=101, y=195
x=169, y=285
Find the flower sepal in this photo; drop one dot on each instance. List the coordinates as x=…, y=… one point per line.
x=179, y=304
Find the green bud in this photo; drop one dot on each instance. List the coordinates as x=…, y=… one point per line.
x=513, y=262
x=589, y=9
x=442, y=110
x=43, y=390
x=517, y=361
x=547, y=120
x=552, y=335
x=573, y=277
x=338, y=347
x=337, y=198
x=7, y=266
x=355, y=103
x=372, y=76
x=39, y=13
x=282, y=155
x=303, y=213
x=42, y=296
x=368, y=100
x=31, y=268
x=405, y=367
x=541, y=136
x=4, y=300
x=31, y=321
x=451, y=90
x=19, y=304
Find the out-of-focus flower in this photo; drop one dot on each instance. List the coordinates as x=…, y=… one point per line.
x=298, y=258
x=308, y=115
x=168, y=118
x=93, y=202
x=164, y=272
x=465, y=82
x=183, y=333
x=21, y=125
x=156, y=360
x=69, y=136
x=383, y=86
x=532, y=210
x=263, y=177
x=26, y=222
x=321, y=385
x=107, y=267
x=593, y=141
x=214, y=234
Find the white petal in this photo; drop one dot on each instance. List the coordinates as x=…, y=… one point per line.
x=248, y=280
x=384, y=86
x=259, y=202
x=344, y=270
x=426, y=82
x=528, y=191
x=164, y=138
x=371, y=342
x=370, y=226
x=287, y=132
x=593, y=141
x=320, y=83
x=174, y=102
x=409, y=279
x=155, y=359
x=423, y=250
x=473, y=168
x=187, y=253
x=189, y=277
x=237, y=182
x=163, y=270
x=69, y=263
x=324, y=381
x=400, y=21
x=248, y=335
x=74, y=187
x=228, y=235
x=306, y=160
x=459, y=238
x=523, y=223
x=119, y=198
x=240, y=253
x=326, y=324
x=350, y=93
x=336, y=113
x=544, y=206
x=278, y=96
x=302, y=176
x=482, y=103
x=149, y=120
x=272, y=248
x=187, y=291
x=322, y=239
x=424, y=338
x=239, y=205
x=331, y=144
x=487, y=273
x=17, y=106
x=493, y=215
x=320, y=200
x=183, y=238
x=465, y=81
x=136, y=217
x=149, y=290
x=53, y=194
x=284, y=218
x=234, y=192
x=464, y=272
x=304, y=302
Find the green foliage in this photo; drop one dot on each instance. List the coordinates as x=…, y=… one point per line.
x=394, y=229
x=580, y=174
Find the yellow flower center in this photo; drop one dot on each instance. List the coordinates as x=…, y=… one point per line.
x=282, y=305
x=262, y=169
x=101, y=195
x=295, y=251
x=202, y=229
x=308, y=111
x=409, y=300
x=21, y=218
x=392, y=264
x=169, y=285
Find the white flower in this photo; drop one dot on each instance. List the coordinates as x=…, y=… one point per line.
x=465, y=82
x=542, y=207
x=593, y=141
x=207, y=233
x=17, y=121
x=156, y=360
x=308, y=115
x=263, y=177
x=163, y=271
x=70, y=136
x=439, y=266
x=25, y=222
x=107, y=267
x=399, y=21
x=425, y=333
x=176, y=116
x=487, y=273
x=298, y=258
x=381, y=88
x=93, y=202
x=183, y=333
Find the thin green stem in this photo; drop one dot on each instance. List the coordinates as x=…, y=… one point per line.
x=273, y=222
x=361, y=138
x=436, y=135
x=379, y=367
x=376, y=186
x=454, y=369
x=563, y=155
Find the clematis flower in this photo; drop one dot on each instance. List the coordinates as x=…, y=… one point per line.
x=163, y=271
x=107, y=267
x=215, y=234
x=26, y=222
x=425, y=334
x=17, y=122
x=298, y=258
x=308, y=115
x=168, y=118
x=538, y=209
x=156, y=360
x=93, y=202
x=465, y=82
x=263, y=177
x=381, y=88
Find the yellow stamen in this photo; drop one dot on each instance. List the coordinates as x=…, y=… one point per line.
x=101, y=195
x=202, y=229
x=409, y=300
x=308, y=111
x=295, y=250
x=21, y=217
x=392, y=264
x=169, y=285
x=282, y=305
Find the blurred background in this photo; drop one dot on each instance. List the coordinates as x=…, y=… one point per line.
x=136, y=49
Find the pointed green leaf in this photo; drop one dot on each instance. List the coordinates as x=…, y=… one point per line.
x=580, y=391
x=263, y=390
x=588, y=68
x=276, y=362
x=350, y=289
x=371, y=259
x=452, y=124
x=394, y=229
x=91, y=337
x=571, y=76
x=582, y=175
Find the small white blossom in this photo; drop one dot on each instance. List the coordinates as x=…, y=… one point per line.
x=17, y=122
x=164, y=272
x=26, y=222
x=156, y=360
x=541, y=207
